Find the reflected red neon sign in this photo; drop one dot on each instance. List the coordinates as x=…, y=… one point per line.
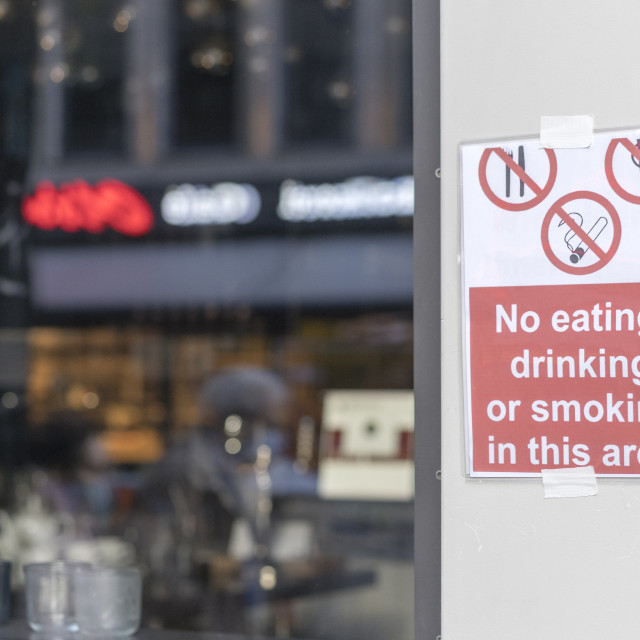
x=80, y=207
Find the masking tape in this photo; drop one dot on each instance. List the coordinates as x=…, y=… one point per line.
x=566, y=132
x=574, y=482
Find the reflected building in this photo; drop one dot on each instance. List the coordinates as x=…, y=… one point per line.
x=213, y=183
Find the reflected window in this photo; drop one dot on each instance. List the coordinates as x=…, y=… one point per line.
x=319, y=82
x=92, y=72
x=205, y=72
x=16, y=36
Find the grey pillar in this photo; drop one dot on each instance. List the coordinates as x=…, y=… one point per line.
x=48, y=134
x=149, y=82
x=260, y=75
x=426, y=43
x=382, y=78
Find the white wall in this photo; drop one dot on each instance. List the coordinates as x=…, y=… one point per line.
x=514, y=565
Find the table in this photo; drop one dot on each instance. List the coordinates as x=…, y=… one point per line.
x=19, y=630
x=226, y=602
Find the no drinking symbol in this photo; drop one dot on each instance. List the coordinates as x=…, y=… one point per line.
x=621, y=165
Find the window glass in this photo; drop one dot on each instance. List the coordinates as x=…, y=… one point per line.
x=206, y=241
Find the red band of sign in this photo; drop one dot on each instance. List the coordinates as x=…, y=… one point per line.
x=608, y=167
x=540, y=192
x=604, y=256
x=570, y=405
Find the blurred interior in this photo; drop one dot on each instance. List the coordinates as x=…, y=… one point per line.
x=192, y=186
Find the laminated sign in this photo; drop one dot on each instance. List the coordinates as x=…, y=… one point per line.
x=551, y=285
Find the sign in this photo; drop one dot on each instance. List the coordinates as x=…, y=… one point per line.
x=77, y=206
x=235, y=209
x=354, y=199
x=367, y=445
x=359, y=198
x=551, y=283
x=223, y=203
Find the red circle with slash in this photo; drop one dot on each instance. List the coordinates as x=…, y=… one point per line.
x=541, y=192
x=608, y=167
x=603, y=256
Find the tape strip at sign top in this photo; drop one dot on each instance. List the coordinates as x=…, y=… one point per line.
x=574, y=482
x=566, y=132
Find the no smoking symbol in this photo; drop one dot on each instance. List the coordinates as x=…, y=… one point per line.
x=581, y=232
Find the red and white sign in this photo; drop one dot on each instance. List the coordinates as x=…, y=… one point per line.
x=367, y=445
x=551, y=276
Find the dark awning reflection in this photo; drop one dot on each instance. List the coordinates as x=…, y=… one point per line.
x=347, y=270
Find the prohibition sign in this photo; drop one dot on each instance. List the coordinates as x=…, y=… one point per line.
x=604, y=256
x=541, y=192
x=608, y=167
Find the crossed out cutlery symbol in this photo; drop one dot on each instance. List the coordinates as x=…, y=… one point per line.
x=521, y=164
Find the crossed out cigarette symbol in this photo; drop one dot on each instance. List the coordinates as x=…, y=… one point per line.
x=576, y=245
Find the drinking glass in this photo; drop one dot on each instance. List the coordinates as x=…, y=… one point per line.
x=108, y=600
x=49, y=588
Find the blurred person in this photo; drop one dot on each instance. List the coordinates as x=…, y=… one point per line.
x=221, y=474
x=242, y=416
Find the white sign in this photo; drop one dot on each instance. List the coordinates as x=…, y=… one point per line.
x=367, y=445
x=224, y=203
x=233, y=203
x=551, y=273
x=361, y=197
x=534, y=216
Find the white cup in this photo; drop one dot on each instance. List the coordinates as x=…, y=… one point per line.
x=108, y=600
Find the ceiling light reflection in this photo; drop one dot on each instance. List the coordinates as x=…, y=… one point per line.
x=57, y=74
x=9, y=400
x=268, y=578
x=212, y=59
x=232, y=446
x=124, y=17
x=47, y=42
x=197, y=9
x=233, y=425
x=90, y=400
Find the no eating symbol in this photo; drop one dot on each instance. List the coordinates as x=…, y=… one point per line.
x=577, y=241
x=540, y=192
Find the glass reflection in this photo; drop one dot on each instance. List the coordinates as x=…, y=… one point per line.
x=265, y=148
